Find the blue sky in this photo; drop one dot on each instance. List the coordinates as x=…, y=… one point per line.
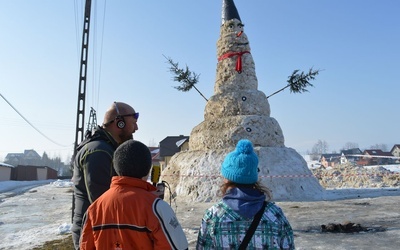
x=355, y=44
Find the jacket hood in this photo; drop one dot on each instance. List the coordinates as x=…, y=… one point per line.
x=244, y=201
x=98, y=133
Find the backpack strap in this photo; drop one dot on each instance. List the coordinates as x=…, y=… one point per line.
x=252, y=228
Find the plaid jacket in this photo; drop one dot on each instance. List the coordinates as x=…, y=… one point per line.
x=223, y=228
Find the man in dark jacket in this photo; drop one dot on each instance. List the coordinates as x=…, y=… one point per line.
x=93, y=168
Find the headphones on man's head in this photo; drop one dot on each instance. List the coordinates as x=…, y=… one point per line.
x=119, y=119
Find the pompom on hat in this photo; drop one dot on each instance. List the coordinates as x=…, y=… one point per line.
x=241, y=165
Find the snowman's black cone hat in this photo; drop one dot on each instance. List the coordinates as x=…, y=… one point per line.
x=229, y=11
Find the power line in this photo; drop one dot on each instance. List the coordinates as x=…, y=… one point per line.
x=31, y=123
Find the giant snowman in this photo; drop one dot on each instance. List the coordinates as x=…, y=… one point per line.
x=238, y=110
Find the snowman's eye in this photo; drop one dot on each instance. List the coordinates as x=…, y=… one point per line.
x=230, y=26
x=240, y=25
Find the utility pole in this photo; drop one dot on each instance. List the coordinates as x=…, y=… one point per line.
x=80, y=116
x=92, y=123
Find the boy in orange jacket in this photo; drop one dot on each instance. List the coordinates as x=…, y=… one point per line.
x=129, y=215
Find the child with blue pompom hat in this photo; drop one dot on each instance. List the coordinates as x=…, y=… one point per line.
x=225, y=224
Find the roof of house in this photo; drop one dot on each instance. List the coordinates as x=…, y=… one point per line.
x=33, y=166
x=27, y=153
x=181, y=142
x=31, y=153
x=330, y=157
x=14, y=155
x=351, y=151
x=155, y=153
x=171, y=144
x=2, y=164
x=378, y=152
x=395, y=146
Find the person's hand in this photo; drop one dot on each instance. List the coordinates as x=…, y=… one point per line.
x=160, y=190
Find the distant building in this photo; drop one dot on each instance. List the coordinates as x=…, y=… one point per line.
x=155, y=155
x=395, y=151
x=377, y=157
x=350, y=155
x=33, y=173
x=329, y=160
x=170, y=146
x=5, y=171
x=28, y=157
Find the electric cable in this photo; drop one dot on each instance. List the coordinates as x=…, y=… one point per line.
x=101, y=55
x=40, y=132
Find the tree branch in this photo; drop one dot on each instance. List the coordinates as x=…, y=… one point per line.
x=184, y=76
x=298, y=82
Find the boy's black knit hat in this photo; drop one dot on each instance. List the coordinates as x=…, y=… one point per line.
x=132, y=158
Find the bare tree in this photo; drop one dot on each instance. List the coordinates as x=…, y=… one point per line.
x=350, y=145
x=152, y=143
x=380, y=146
x=319, y=148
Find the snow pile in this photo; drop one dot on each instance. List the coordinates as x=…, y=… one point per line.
x=65, y=228
x=62, y=183
x=351, y=176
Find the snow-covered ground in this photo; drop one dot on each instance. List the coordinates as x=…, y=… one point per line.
x=394, y=168
x=33, y=212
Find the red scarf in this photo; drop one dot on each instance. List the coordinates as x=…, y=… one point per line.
x=238, y=60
